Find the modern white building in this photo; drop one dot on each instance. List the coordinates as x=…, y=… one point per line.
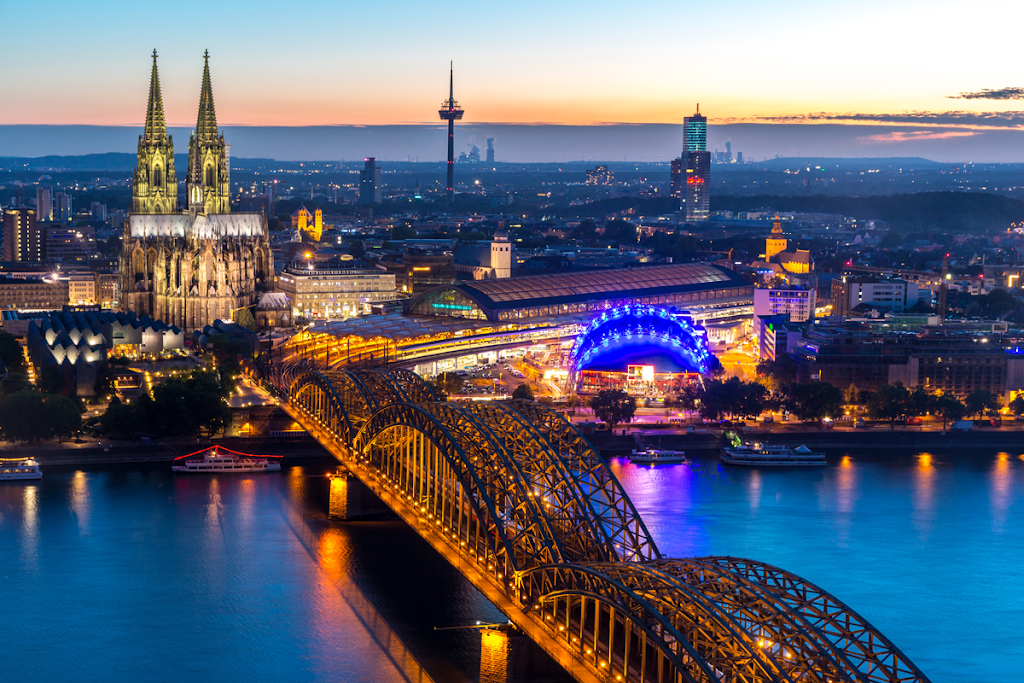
x=795, y=302
x=335, y=292
x=886, y=293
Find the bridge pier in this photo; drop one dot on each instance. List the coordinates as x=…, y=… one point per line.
x=351, y=499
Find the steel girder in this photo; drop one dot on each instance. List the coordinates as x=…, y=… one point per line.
x=604, y=494
x=502, y=494
x=864, y=653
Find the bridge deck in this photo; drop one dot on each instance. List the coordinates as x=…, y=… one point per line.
x=481, y=581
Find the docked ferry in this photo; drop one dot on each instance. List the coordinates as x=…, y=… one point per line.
x=657, y=456
x=771, y=455
x=645, y=454
x=12, y=469
x=218, y=459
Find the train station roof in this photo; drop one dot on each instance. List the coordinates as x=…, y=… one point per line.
x=562, y=289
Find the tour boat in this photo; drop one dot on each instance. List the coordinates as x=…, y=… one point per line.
x=12, y=469
x=646, y=454
x=218, y=459
x=771, y=455
x=657, y=456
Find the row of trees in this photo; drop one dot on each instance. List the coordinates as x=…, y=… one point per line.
x=896, y=403
x=734, y=398
x=179, y=407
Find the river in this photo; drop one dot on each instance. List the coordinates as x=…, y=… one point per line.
x=130, y=573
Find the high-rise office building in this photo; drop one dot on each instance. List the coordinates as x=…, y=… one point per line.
x=676, y=178
x=696, y=161
x=62, y=206
x=44, y=204
x=24, y=240
x=369, y=186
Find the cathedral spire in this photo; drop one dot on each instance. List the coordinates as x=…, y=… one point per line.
x=206, y=127
x=156, y=126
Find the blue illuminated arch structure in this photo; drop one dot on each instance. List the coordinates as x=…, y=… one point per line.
x=666, y=327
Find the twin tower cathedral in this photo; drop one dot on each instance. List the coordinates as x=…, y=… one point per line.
x=190, y=263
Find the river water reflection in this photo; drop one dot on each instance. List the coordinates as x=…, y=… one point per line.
x=134, y=574
x=928, y=547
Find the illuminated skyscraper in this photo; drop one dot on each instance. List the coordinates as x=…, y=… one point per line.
x=697, y=162
x=369, y=186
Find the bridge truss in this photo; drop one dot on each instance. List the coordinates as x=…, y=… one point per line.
x=517, y=499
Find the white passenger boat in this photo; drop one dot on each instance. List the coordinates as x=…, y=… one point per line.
x=218, y=459
x=645, y=454
x=771, y=455
x=12, y=469
x=657, y=456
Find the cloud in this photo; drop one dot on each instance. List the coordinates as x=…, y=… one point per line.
x=973, y=119
x=991, y=94
x=915, y=135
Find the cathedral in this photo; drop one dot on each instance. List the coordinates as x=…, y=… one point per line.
x=189, y=266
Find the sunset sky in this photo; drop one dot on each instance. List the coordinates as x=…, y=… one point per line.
x=891, y=63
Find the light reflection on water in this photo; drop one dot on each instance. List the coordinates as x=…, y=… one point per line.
x=926, y=547
x=125, y=575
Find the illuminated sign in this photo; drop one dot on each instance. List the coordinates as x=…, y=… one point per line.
x=453, y=307
x=695, y=180
x=640, y=373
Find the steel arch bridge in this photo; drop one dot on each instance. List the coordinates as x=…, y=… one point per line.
x=514, y=496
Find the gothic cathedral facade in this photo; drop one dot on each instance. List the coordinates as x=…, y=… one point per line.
x=189, y=267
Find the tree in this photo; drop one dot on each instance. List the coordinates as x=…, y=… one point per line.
x=403, y=232
x=246, y=319
x=13, y=383
x=814, y=400
x=1016, y=405
x=777, y=373
x=715, y=367
x=32, y=415
x=620, y=231
x=105, y=381
x=586, y=230
x=449, y=382
x=852, y=395
x=890, y=402
x=613, y=406
x=11, y=354
x=523, y=391
x=981, y=400
x=949, y=407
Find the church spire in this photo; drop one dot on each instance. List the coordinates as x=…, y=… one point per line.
x=206, y=127
x=156, y=126
x=209, y=172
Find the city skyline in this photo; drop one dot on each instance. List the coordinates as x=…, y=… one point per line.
x=539, y=64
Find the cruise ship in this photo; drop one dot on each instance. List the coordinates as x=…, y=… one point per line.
x=218, y=459
x=771, y=455
x=12, y=469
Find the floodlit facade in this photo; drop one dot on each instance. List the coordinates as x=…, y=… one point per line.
x=335, y=292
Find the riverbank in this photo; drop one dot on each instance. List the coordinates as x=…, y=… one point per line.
x=115, y=452
x=827, y=440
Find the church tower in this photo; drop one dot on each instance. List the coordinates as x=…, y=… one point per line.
x=208, y=182
x=155, y=185
x=777, y=242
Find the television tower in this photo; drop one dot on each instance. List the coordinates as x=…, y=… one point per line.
x=450, y=111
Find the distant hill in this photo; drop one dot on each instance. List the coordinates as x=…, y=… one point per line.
x=944, y=211
x=857, y=163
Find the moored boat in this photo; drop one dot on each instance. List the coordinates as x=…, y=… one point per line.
x=218, y=459
x=657, y=456
x=758, y=454
x=15, y=469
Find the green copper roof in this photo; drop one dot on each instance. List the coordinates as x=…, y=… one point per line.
x=156, y=127
x=206, y=127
